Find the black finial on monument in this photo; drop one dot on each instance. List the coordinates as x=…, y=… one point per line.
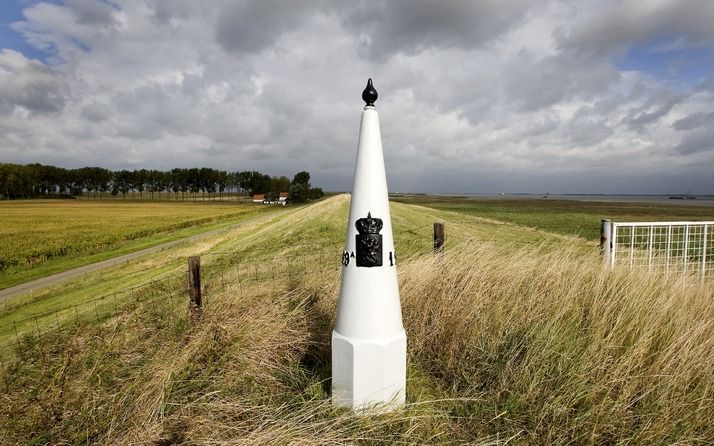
x=369, y=95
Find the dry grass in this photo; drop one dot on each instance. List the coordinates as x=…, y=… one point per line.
x=527, y=346
x=561, y=351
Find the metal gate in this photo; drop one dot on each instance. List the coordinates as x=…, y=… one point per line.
x=666, y=247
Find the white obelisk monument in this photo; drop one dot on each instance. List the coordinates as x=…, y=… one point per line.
x=369, y=345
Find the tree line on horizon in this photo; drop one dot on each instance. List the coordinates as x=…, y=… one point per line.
x=19, y=181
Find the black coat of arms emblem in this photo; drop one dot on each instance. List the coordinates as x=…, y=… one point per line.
x=369, y=241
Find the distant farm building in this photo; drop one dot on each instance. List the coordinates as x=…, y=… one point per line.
x=282, y=199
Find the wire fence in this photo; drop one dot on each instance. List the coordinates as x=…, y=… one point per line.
x=220, y=270
x=216, y=275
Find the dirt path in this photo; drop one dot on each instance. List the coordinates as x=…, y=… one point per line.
x=43, y=282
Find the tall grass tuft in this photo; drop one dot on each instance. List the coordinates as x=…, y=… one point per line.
x=525, y=346
x=557, y=350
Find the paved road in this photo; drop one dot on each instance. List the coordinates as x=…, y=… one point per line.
x=27, y=287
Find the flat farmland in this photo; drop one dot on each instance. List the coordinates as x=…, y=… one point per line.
x=43, y=237
x=567, y=217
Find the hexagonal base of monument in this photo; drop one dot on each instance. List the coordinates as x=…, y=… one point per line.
x=369, y=373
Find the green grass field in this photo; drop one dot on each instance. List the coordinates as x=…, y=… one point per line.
x=517, y=335
x=41, y=237
x=567, y=217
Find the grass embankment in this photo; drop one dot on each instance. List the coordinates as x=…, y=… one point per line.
x=518, y=343
x=82, y=297
x=292, y=239
x=43, y=237
x=568, y=217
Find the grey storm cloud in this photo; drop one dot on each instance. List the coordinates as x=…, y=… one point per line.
x=29, y=84
x=489, y=96
x=653, y=110
x=251, y=26
x=618, y=25
x=96, y=112
x=381, y=28
x=693, y=121
x=385, y=27
x=698, y=141
x=536, y=83
x=92, y=12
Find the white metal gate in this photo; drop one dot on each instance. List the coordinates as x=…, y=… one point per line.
x=667, y=247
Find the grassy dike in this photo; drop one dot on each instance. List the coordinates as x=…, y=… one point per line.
x=515, y=336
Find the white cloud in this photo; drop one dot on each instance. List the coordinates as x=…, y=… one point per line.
x=473, y=97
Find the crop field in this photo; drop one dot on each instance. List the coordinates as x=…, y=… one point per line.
x=516, y=335
x=568, y=217
x=38, y=237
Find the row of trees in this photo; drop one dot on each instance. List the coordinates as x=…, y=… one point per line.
x=37, y=180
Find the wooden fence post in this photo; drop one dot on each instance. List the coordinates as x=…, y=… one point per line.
x=605, y=240
x=194, y=288
x=438, y=238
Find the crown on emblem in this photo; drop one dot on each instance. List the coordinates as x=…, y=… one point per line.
x=369, y=225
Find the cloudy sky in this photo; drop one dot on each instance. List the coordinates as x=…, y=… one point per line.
x=474, y=96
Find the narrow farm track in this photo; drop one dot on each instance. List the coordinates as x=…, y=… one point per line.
x=53, y=279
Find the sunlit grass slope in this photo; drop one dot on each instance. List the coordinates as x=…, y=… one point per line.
x=519, y=343
x=41, y=237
